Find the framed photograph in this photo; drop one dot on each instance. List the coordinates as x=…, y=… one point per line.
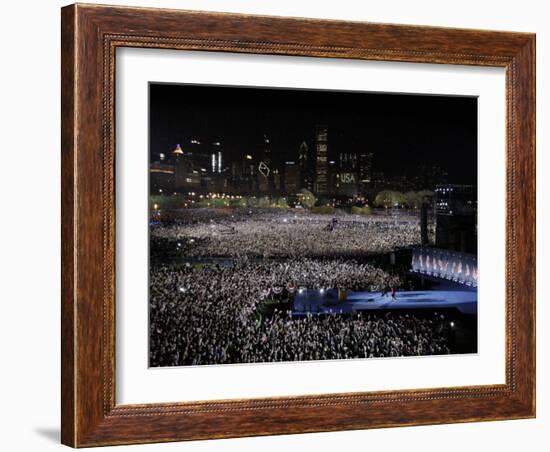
x=281, y=225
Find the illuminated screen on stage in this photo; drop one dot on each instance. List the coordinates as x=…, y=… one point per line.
x=451, y=265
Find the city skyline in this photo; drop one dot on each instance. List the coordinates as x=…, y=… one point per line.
x=405, y=134
x=289, y=225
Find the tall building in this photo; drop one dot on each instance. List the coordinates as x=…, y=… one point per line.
x=306, y=179
x=265, y=170
x=292, y=178
x=346, y=181
x=276, y=181
x=187, y=177
x=365, y=167
x=249, y=180
x=266, y=155
x=348, y=161
x=200, y=155
x=321, y=164
x=235, y=176
x=216, y=158
x=332, y=177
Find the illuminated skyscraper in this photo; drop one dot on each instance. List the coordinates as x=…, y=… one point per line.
x=200, y=154
x=186, y=176
x=216, y=158
x=265, y=170
x=177, y=152
x=365, y=170
x=305, y=170
x=348, y=161
x=321, y=165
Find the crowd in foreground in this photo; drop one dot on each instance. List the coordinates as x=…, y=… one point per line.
x=208, y=314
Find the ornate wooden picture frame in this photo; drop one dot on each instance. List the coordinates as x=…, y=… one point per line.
x=90, y=37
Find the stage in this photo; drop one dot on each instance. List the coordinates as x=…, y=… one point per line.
x=318, y=301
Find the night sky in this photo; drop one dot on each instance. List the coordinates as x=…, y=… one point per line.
x=402, y=131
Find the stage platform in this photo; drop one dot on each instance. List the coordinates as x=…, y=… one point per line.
x=326, y=301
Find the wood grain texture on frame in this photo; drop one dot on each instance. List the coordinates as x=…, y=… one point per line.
x=90, y=36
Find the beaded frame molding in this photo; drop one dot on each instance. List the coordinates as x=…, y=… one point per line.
x=90, y=36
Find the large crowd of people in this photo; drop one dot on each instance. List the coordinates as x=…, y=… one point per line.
x=283, y=234
x=208, y=314
x=213, y=269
